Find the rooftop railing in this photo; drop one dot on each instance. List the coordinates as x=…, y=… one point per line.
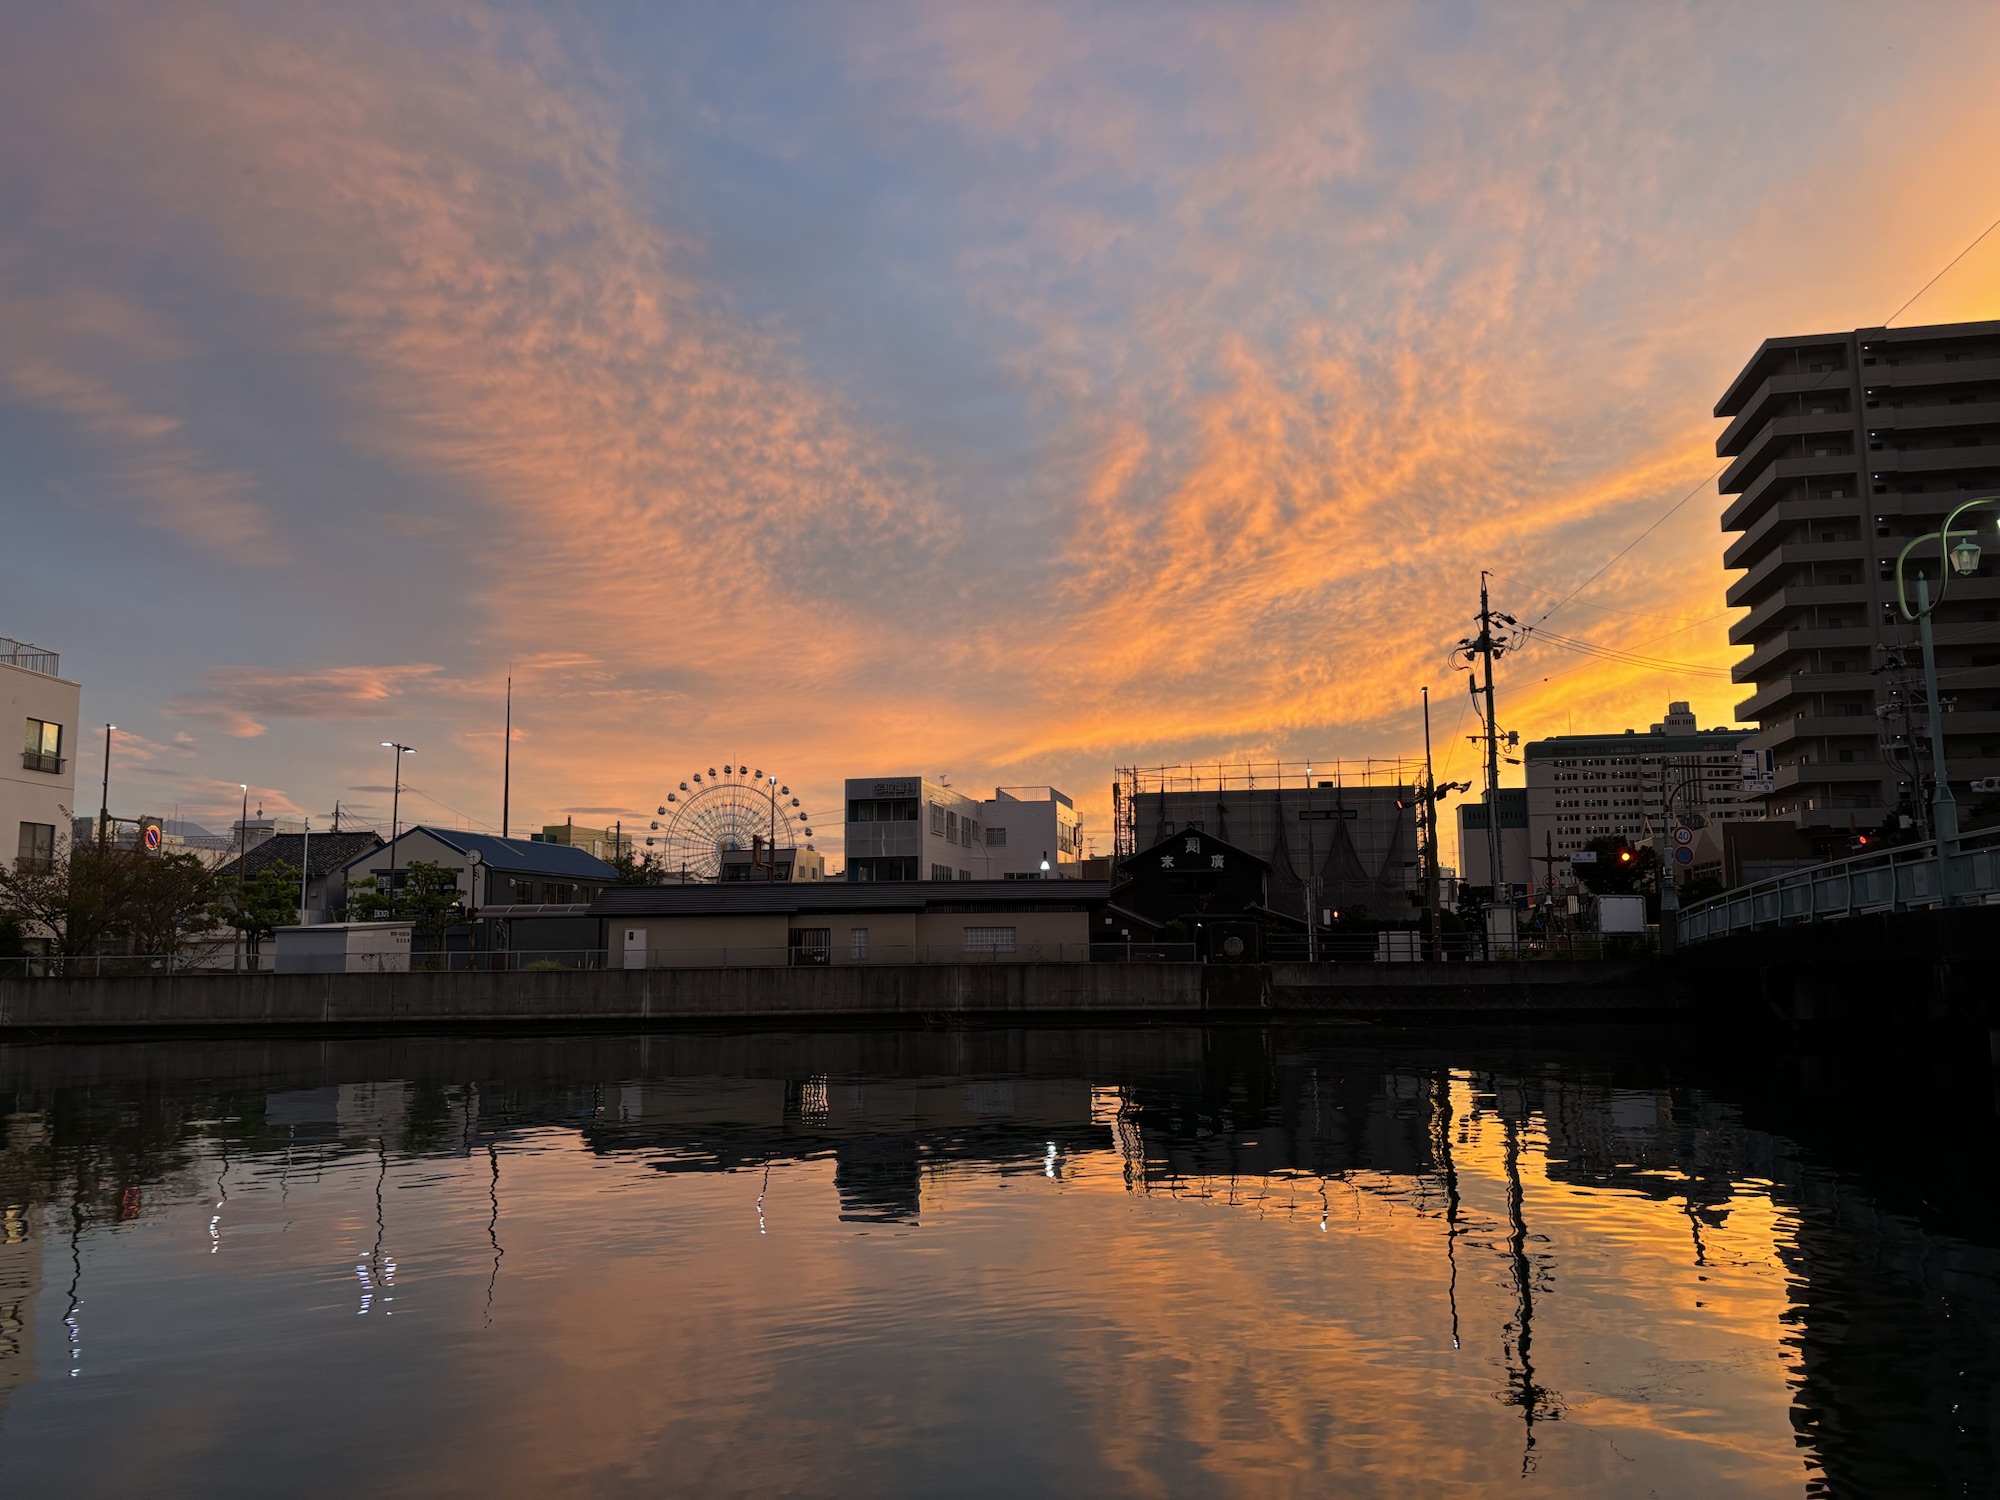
x=30, y=658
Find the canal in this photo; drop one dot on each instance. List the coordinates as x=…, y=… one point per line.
x=1145, y=1260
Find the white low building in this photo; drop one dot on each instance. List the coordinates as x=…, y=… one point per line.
x=913, y=828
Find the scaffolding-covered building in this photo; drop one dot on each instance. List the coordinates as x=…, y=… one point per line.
x=1354, y=824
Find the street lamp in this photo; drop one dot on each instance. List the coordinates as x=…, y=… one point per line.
x=1964, y=559
x=242, y=864
x=104, y=804
x=396, y=813
x=1045, y=864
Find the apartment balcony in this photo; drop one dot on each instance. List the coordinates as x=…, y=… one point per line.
x=1813, y=466
x=1879, y=379
x=1859, y=639
x=1764, y=706
x=1769, y=528
x=1782, y=389
x=1862, y=727
x=34, y=760
x=1762, y=620
x=1831, y=773
x=1831, y=429
x=1751, y=588
x=1889, y=421
x=1928, y=461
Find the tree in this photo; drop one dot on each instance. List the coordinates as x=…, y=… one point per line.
x=640, y=869
x=169, y=903
x=75, y=901
x=1621, y=870
x=426, y=894
x=259, y=906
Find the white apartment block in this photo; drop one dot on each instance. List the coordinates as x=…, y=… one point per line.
x=38, y=794
x=913, y=828
x=1631, y=785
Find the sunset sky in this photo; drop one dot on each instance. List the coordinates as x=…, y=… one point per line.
x=1005, y=391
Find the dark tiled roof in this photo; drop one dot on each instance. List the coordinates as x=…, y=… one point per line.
x=327, y=851
x=522, y=856
x=752, y=898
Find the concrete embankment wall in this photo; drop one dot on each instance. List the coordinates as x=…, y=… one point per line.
x=915, y=992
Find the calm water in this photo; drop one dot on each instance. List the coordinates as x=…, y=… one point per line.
x=1168, y=1261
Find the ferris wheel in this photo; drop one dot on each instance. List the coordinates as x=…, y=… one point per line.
x=715, y=812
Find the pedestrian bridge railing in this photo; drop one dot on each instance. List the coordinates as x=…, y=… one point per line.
x=1899, y=879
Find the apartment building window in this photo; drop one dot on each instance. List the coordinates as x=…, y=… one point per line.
x=951, y=827
x=937, y=820
x=940, y=872
x=989, y=939
x=857, y=944
x=43, y=751
x=996, y=837
x=38, y=848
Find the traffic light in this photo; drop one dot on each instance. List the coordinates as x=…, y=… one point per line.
x=1624, y=856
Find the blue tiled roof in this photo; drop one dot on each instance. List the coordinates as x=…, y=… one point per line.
x=523, y=856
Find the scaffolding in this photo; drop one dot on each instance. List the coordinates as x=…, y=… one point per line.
x=1246, y=775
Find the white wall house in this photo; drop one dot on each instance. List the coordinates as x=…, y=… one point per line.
x=38, y=790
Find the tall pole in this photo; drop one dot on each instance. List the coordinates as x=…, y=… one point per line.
x=305, y=872
x=1493, y=844
x=1312, y=905
x=1432, y=898
x=395, y=811
x=104, y=803
x=507, y=759
x=242, y=868
x=1944, y=807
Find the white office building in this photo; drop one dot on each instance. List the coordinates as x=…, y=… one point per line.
x=913, y=828
x=38, y=795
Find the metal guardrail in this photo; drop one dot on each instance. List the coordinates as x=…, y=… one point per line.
x=1899, y=879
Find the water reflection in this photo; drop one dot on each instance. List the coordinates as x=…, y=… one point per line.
x=1184, y=1260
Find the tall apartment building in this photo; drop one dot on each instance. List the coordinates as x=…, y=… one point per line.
x=1629, y=785
x=37, y=795
x=1846, y=445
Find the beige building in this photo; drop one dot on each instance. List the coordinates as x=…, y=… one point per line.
x=37, y=792
x=912, y=828
x=837, y=923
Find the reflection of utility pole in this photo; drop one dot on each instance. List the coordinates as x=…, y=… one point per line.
x=1432, y=897
x=1442, y=1085
x=1533, y=1399
x=493, y=1226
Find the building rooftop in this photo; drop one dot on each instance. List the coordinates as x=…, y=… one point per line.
x=522, y=856
x=29, y=658
x=755, y=898
x=327, y=851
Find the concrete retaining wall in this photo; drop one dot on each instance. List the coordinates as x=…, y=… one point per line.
x=598, y=997
x=912, y=992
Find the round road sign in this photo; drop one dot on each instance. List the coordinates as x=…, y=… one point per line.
x=1684, y=855
x=152, y=836
x=1684, y=836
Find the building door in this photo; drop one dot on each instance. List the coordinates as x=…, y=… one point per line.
x=635, y=947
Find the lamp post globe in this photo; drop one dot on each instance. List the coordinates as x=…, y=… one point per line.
x=1965, y=558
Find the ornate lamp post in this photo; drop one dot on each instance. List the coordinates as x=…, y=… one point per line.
x=1964, y=558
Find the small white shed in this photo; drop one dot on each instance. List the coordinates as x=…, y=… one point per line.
x=345, y=948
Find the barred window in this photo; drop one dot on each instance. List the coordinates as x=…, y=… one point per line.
x=989, y=940
x=937, y=820
x=995, y=837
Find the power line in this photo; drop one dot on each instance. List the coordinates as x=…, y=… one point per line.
x=1719, y=472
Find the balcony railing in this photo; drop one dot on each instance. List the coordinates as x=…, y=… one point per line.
x=34, y=760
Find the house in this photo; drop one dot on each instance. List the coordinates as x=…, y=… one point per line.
x=836, y=923
x=1216, y=894
x=512, y=872
x=324, y=857
x=38, y=797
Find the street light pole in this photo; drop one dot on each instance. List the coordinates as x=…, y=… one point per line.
x=1963, y=559
x=395, y=813
x=242, y=869
x=104, y=803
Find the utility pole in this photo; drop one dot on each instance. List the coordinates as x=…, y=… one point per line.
x=507, y=758
x=1432, y=897
x=1312, y=882
x=1485, y=648
x=104, y=803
